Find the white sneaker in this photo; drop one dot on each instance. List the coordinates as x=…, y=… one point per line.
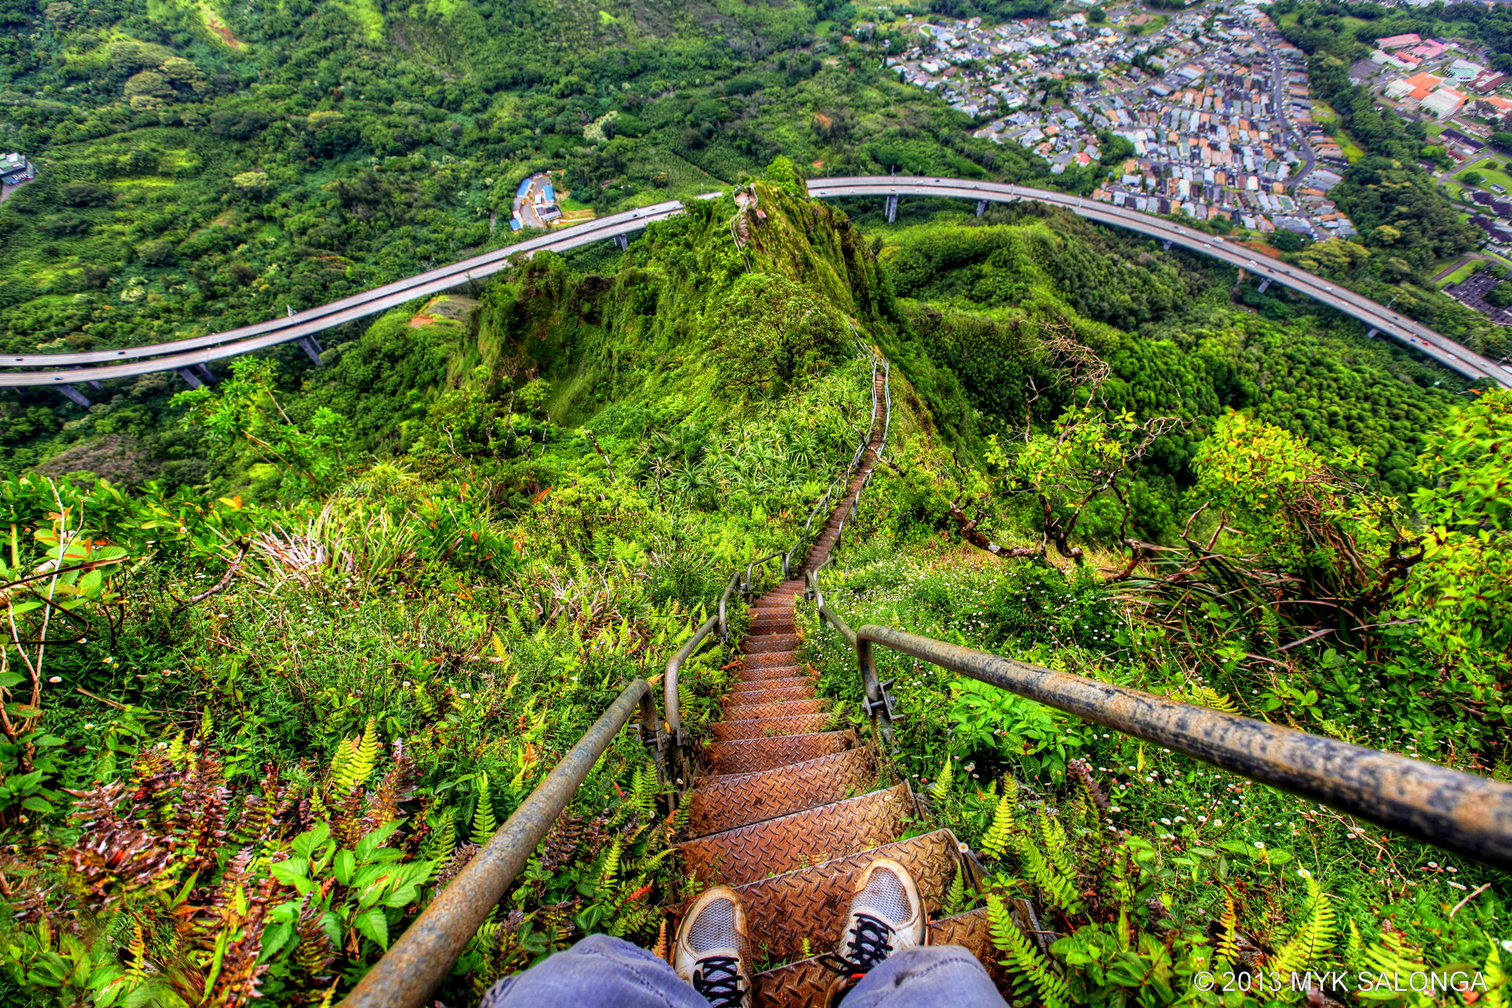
x=886, y=914
x=712, y=949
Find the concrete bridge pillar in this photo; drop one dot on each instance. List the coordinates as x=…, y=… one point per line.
x=981, y=207
x=1165, y=244
x=1373, y=333
x=309, y=345
x=97, y=386
x=622, y=242
x=73, y=395
x=1265, y=283
x=892, y=209
x=198, y=376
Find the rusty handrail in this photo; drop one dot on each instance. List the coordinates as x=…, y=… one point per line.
x=1450, y=809
x=417, y=963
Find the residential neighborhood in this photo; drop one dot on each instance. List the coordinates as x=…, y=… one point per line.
x=1205, y=113
x=15, y=169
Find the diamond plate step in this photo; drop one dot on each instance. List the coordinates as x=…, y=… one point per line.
x=742, y=799
x=755, y=643
x=784, y=708
x=768, y=727
x=811, y=903
x=795, y=686
x=806, y=984
x=781, y=667
x=748, y=853
x=750, y=755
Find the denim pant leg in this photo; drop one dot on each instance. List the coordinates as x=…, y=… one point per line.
x=928, y=976
x=598, y=972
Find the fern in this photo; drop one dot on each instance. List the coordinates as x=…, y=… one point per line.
x=1394, y=956
x=484, y=823
x=1055, y=885
x=355, y=760
x=1023, y=958
x=999, y=834
x=1209, y=697
x=611, y=863
x=1313, y=938
x=1057, y=845
x=1497, y=982
x=642, y=799
x=941, y=787
x=955, y=896
x=1228, y=939
x=442, y=840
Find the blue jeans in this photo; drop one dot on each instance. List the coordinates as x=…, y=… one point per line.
x=605, y=972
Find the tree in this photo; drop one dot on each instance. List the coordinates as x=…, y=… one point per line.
x=1473, y=178
x=1462, y=591
x=244, y=415
x=1286, y=241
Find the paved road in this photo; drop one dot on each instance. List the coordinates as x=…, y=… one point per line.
x=1446, y=351
x=202, y=349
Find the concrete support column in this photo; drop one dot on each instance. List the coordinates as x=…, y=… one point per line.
x=190, y=378
x=981, y=207
x=622, y=242
x=97, y=386
x=1165, y=243
x=1265, y=283
x=309, y=345
x=73, y=395
x=892, y=209
x=206, y=375
x=1374, y=332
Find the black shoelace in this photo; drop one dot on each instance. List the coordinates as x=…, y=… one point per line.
x=718, y=980
x=869, y=945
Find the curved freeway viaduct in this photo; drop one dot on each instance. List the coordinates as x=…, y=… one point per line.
x=186, y=355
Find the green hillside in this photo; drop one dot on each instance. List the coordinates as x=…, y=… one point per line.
x=283, y=702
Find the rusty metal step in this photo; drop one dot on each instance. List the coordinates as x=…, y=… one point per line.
x=811, y=903
x=794, y=686
x=773, y=659
x=766, y=643
x=742, y=799
x=800, y=839
x=785, y=668
x=773, y=622
x=782, y=708
x=750, y=755
x=768, y=727
x=806, y=984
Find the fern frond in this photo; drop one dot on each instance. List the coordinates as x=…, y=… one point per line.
x=955, y=896
x=1498, y=983
x=611, y=863
x=941, y=787
x=442, y=839
x=355, y=760
x=1228, y=938
x=1023, y=959
x=1057, y=845
x=1209, y=697
x=484, y=823
x=1314, y=937
x=1000, y=833
x=1056, y=886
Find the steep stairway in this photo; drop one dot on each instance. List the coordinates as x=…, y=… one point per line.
x=794, y=805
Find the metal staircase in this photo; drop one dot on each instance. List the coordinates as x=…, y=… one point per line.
x=789, y=803
x=793, y=807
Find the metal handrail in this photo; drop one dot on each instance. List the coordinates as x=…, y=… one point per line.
x=417, y=963
x=1450, y=809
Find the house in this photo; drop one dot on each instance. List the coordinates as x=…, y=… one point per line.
x=1398, y=41
x=16, y=168
x=1443, y=103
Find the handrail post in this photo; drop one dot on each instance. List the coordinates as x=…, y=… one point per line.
x=878, y=703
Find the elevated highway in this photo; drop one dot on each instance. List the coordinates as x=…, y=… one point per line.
x=67, y=370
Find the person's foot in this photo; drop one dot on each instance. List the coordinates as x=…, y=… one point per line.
x=712, y=948
x=886, y=915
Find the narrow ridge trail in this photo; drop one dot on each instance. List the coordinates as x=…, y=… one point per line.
x=792, y=808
